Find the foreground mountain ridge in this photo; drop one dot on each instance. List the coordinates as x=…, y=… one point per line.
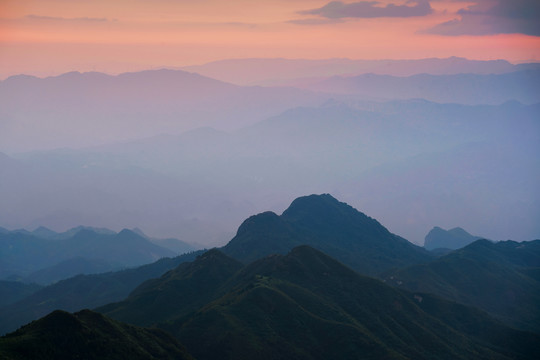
x=306, y=305
x=303, y=303
x=88, y=335
x=83, y=292
x=500, y=278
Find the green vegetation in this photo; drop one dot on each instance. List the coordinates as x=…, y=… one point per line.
x=88, y=335
x=500, y=278
x=306, y=305
x=176, y=293
x=84, y=291
x=299, y=303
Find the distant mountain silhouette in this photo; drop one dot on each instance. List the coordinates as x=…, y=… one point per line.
x=158, y=101
x=177, y=246
x=448, y=239
x=68, y=268
x=13, y=291
x=29, y=253
x=470, y=89
x=71, y=232
x=44, y=232
x=306, y=305
x=367, y=152
x=287, y=71
x=500, y=278
x=331, y=226
x=88, y=335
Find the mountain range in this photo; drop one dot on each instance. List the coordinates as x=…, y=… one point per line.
x=88, y=109
x=201, y=184
x=268, y=293
x=81, y=292
x=289, y=71
x=44, y=256
x=500, y=278
x=472, y=89
x=307, y=305
x=88, y=335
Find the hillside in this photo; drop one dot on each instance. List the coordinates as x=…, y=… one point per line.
x=88, y=335
x=473, y=89
x=498, y=278
x=176, y=293
x=83, y=292
x=306, y=305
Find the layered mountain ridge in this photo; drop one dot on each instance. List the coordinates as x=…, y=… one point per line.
x=282, y=297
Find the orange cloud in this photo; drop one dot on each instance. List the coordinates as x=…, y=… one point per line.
x=51, y=36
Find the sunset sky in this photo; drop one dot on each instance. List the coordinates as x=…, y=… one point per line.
x=48, y=37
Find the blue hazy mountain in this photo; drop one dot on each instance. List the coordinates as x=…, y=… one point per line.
x=23, y=253
x=68, y=268
x=471, y=89
x=437, y=164
x=455, y=238
x=87, y=109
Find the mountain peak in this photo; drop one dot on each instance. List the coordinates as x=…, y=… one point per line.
x=324, y=214
x=328, y=225
x=449, y=239
x=324, y=204
x=128, y=232
x=264, y=221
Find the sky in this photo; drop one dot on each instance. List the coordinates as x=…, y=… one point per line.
x=49, y=37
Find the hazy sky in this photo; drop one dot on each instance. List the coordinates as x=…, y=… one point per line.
x=46, y=37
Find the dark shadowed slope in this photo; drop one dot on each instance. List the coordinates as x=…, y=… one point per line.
x=331, y=226
x=500, y=278
x=306, y=305
x=88, y=335
x=84, y=291
x=177, y=292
